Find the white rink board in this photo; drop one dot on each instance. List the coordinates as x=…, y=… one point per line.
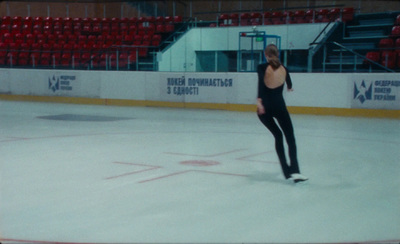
x=310, y=89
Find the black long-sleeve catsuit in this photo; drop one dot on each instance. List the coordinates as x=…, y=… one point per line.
x=275, y=107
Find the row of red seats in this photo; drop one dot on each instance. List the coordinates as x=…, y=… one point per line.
x=88, y=28
x=68, y=55
x=63, y=41
x=76, y=60
x=10, y=50
x=30, y=39
x=387, y=58
x=388, y=53
x=18, y=20
x=389, y=43
x=287, y=17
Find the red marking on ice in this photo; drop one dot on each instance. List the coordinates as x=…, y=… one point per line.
x=190, y=171
x=199, y=162
x=193, y=162
x=149, y=167
x=205, y=155
x=248, y=158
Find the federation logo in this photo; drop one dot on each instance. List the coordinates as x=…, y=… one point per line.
x=362, y=93
x=54, y=83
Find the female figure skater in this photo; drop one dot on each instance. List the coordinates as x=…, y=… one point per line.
x=270, y=104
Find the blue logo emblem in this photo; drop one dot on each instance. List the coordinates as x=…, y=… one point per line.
x=54, y=83
x=362, y=93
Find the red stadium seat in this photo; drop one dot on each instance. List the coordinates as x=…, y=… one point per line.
x=386, y=43
x=26, y=29
x=374, y=56
x=12, y=58
x=398, y=60
x=15, y=29
x=124, y=29
x=132, y=57
x=3, y=53
x=388, y=59
x=159, y=20
x=41, y=38
x=397, y=44
x=23, y=58
x=334, y=14
x=34, y=58
x=103, y=60
x=224, y=19
x=114, y=29
x=25, y=47
x=82, y=39
x=75, y=59
x=146, y=40
x=85, y=59
x=45, y=59
x=17, y=20
x=19, y=38
x=67, y=48
x=169, y=28
x=6, y=20
x=299, y=16
x=178, y=19
x=156, y=40
x=168, y=19
x=4, y=29
x=347, y=14
x=276, y=18
x=112, y=61
x=123, y=61
x=235, y=19
x=322, y=15
x=160, y=28
x=310, y=16
x=395, y=31
x=267, y=18
x=256, y=19
x=8, y=38
x=38, y=21
x=137, y=41
x=56, y=58
x=287, y=17
x=46, y=47
x=397, y=22
x=143, y=51
x=66, y=59
x=245, y=19
x=128, y=39
x=27, y=21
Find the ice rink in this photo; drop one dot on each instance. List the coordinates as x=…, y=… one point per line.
x=98, y=174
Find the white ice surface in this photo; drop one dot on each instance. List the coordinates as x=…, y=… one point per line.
x=127, y=180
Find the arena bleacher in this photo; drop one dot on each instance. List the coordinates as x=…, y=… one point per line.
x=80, y=42
x=118, y=43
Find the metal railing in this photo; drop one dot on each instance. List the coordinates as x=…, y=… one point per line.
x=108, y=59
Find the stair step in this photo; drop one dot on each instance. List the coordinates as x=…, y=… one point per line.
x=365, y=37
x=366, y=33
x=344, y=61
x=376, y=21
x=358, y=45
x=361, y=27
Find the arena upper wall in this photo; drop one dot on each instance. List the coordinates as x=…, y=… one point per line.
x=205, y=10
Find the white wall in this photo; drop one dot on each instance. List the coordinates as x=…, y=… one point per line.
x=377, y=91
x=182, y=57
